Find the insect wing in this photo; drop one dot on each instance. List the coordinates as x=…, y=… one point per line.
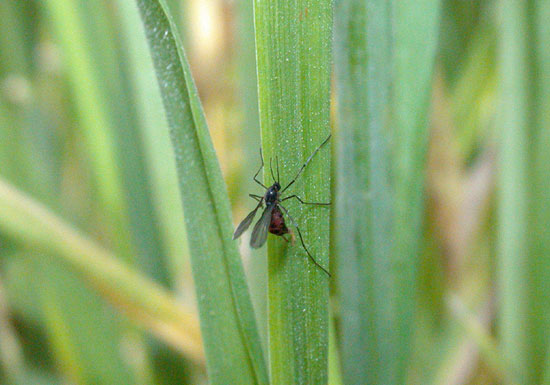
x=245, y=224
x=259, y=234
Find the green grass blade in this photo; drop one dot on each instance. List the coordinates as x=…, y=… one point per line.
x=231, y=339
x=513, y=180
x=15, y=100
x=14, y=58
x=69, y=362
x=334, y=366
x=351, y=218
x=141, y=299
x=384, y=62
x=541, y=205
x=109, y=69
x=158, y=150
x=524, y=211
x=415, y=37
x=92, y=113
x=293, y=50
x=84, y=351
x=98, y=85
x=250, y=139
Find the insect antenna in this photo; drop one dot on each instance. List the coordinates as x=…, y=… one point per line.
x=303, y=244
x=271, y=167
x=305, y=164
x=278, y=176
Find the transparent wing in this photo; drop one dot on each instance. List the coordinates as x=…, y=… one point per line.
x=245, y=224
x=259, y=234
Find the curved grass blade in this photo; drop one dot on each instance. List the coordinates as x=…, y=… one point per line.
x=155, y=135
x=293, y=49
x=231, y=339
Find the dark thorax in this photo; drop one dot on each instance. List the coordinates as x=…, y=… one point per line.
x=272, y=194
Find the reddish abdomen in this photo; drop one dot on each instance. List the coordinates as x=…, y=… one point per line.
x=277, y=225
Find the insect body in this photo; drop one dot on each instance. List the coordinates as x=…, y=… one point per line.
x=272, y=219
x=277, y=225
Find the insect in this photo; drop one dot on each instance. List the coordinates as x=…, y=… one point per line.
x=272, y=219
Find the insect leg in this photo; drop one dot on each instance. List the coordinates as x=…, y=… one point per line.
x=302, y=240
x=305, y=164
x=255, y=197
x=305, y=203
x=260, y=169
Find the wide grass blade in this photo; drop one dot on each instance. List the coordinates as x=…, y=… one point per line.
x=513, y=200
x=231, y=339
x=158, y=151
x=414, y=40
x=542, y=183
x=256, y=266
x=139, y=298
x=384, y=62
x=293, y=50
x=523, y=207
x=351, y=218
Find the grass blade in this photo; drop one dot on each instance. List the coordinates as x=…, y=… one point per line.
x=155, y=138
x=250, y=141
x=93, y=115
x=524, y=211
x=293, y=50
x=83, y=351
x=512, y=208
x=351, y=218
x=228, y=324
x=415, y=37
x=385, y=53
x=542, y=181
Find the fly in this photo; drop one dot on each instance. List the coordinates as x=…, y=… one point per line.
x=272, y=219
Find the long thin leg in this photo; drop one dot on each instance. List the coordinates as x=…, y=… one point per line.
x=260, y=169
x=302, y=240
x=257, y=198
x=305, y=164
x=305, y=203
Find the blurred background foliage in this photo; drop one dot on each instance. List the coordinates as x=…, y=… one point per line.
x=74, y=136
